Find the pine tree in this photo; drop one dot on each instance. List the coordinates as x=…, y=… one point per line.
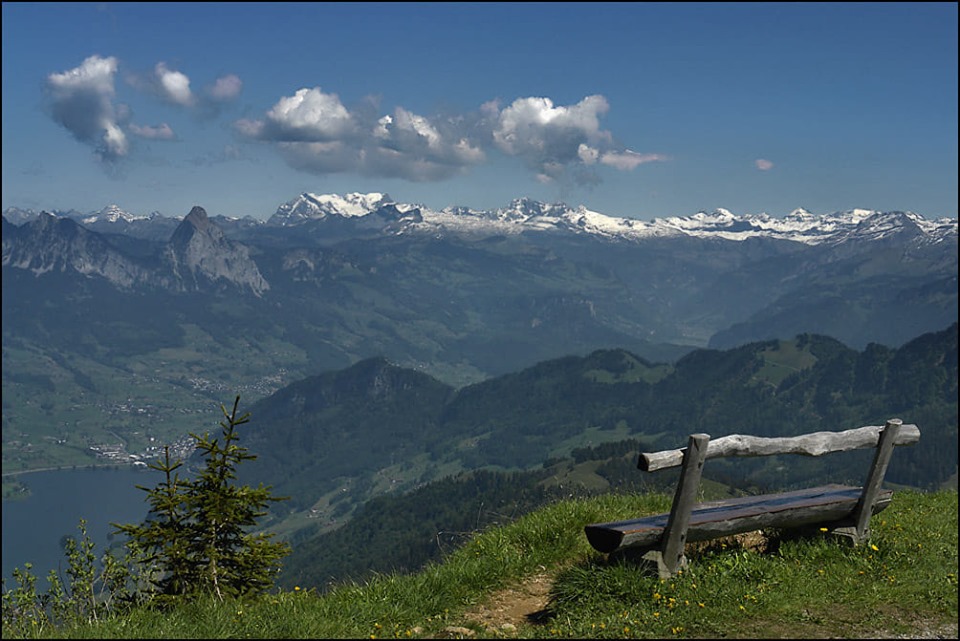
x=197, y=533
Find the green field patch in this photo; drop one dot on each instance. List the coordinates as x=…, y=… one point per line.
x=639, y=372
x=592, y=436
x=781, y=361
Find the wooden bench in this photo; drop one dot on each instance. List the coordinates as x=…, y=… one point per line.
x=840, y=509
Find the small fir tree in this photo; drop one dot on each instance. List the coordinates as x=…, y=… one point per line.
x=196, y=536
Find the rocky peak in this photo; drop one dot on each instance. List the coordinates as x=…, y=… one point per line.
x=196, y=222
x=198, y=218
x=198, y=251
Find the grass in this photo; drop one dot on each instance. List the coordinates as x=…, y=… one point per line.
x=810, y=587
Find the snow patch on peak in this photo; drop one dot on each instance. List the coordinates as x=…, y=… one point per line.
x=859, y=214
x=111, y=214
x=308, y=206
x=353, y=204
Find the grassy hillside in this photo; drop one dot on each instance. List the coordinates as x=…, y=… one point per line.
x=538, y=578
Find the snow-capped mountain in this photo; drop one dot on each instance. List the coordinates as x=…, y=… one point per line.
x=112, y=214
x=526, y=215
x=377, y=212
x=312, y=206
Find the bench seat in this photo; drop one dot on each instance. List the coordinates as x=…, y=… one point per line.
x=712, y=519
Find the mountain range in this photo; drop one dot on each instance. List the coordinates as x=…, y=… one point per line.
x=115, y=311
x=761, y=265
x=526, y=215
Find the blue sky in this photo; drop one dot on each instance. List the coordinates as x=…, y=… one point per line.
x=632, y=109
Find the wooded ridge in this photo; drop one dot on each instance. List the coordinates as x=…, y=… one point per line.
x=574, y=426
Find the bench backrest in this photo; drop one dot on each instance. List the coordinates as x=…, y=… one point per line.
x=700, y=447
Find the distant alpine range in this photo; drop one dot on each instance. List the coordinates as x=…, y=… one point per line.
x=525, y=215
x=530, y=273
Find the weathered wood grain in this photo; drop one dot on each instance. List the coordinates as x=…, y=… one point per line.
x=813, y=444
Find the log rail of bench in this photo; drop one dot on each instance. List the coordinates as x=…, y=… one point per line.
x=814, y=444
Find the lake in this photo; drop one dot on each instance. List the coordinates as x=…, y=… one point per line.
x=33, y=527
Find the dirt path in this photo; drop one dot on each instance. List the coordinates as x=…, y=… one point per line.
x=508, y=609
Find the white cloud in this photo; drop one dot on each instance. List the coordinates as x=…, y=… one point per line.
x=249, y=128
x=310, y=115
x=535, y=127
x=315, y=132
x=543, y=179
x=225, y=88
x=407, y=122
x=115, y=140
x=173, y=85
x=421, y=140
x=160, y=132
x=553, y=139
x=81, y=99
x=627, y=160
x=587, y=154
x=763, y=164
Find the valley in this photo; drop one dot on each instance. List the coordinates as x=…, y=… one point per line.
x=383, y=348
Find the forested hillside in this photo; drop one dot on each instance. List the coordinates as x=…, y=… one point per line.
x=340, y=440
x=375, y=417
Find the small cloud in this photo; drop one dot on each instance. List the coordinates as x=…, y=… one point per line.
x=627, y=160
x=536, y=130
x=543, y=179
x=763, y=164
x=310, y=115
x=552, y=139
x=173, y=85
x=166, y=84
x=225, y=88
x=249, y=128
x=81, y=100
x=587, y=154
x=160, y=132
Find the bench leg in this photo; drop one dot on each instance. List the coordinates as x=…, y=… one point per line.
x=859, y=531
x=669, y=557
